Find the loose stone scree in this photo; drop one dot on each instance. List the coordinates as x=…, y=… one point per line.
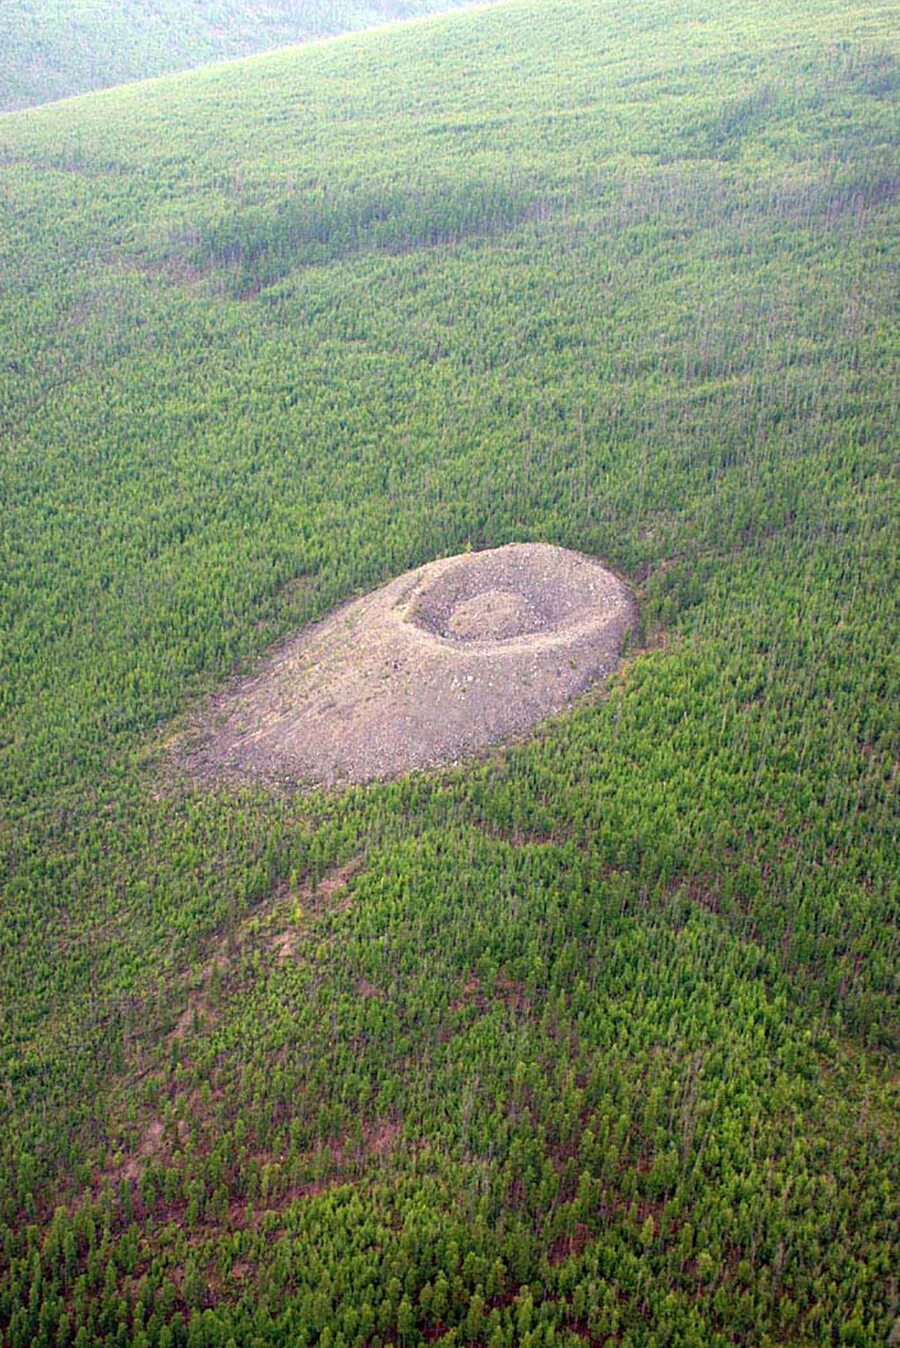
x=431, y=668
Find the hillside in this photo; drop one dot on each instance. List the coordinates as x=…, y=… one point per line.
x=592, y=1040
x=52, y=49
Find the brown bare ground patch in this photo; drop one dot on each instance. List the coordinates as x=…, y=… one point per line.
x=286, y=944
x=570, y=1246
x=505, y=990
x=431, y=668
x=199, y=1009
x=384, y=1138
x=314, y=899
x=151, y=1146
x=337, y=880
x=185, y=1021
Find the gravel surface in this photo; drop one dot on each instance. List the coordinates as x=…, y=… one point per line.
x=429, y=669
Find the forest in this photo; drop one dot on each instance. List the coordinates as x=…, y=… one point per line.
x=52, y=49
x=591, y=1040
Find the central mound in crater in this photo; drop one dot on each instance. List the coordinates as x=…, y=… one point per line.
x=434, y=666
x=491, y=617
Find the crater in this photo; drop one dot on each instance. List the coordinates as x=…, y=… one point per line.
x=431, y=668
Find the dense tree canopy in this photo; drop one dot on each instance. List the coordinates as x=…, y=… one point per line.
x=588, y=1042
x=53, y=49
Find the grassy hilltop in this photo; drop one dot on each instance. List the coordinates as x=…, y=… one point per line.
x=590, y=1042
x=55, y=48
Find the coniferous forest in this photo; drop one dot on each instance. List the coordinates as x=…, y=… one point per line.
x=592, y=1040
x=52, y=49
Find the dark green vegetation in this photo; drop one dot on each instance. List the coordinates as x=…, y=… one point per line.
x=590, y=1042
x=54, y=48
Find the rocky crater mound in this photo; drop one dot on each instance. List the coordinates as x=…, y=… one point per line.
x=432, y=667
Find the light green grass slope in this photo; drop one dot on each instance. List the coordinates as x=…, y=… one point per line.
x=594, y=1041
x=52, y=49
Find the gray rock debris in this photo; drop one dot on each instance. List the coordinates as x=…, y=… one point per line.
x=432, y=667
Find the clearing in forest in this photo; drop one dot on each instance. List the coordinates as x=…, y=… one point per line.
x=432, y=667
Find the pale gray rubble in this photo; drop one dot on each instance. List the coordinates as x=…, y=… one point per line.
x=433, y=667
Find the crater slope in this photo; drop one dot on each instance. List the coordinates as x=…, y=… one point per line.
x=433, y=666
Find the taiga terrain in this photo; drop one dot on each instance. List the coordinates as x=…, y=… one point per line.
x=591, y=1039
x=53, y=49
